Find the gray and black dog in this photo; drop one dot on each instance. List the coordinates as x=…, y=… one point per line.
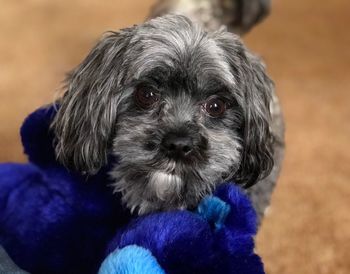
x=183, y=109
x=204, y=87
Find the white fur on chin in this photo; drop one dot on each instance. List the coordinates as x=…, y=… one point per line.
x=165, y=184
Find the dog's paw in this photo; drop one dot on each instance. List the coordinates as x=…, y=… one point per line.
x=214, y=210
x=131, y=259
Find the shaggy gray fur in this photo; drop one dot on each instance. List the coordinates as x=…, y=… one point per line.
x=239, y=16
x=185, y=65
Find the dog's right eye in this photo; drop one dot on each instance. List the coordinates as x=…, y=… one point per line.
x=146, y=97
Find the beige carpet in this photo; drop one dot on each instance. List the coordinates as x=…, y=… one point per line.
x=306, y=46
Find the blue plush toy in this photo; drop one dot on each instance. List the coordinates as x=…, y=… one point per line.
x=56, y=221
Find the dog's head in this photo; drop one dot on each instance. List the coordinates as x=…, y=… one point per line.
x=181, y=108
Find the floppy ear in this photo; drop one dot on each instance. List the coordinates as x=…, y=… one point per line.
x=255, y=91
x=257, y=155
x=84, y=123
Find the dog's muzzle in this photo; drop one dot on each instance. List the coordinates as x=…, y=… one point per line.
x=177, y=146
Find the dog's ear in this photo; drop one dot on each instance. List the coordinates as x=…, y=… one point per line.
x=257, y=158
x=255, y=89
x=86, y=117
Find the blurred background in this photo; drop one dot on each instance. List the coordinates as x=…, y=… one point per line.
x=306, y=47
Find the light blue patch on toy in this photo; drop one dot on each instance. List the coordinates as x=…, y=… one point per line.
x=131, y=259
x=214, y=210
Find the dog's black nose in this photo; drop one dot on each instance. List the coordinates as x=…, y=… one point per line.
x=177, y=146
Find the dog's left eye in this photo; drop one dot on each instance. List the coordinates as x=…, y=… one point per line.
x=146, y=97
x=215, y=107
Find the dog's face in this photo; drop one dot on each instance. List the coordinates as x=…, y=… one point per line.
x=182, y=109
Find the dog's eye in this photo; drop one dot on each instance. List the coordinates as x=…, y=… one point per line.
x=215, y=107
x=146, y=97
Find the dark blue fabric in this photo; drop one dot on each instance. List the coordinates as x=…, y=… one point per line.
x=184, y=242
x=7, y=266
x=56, y=221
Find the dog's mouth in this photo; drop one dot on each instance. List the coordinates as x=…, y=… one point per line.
x=171, y=168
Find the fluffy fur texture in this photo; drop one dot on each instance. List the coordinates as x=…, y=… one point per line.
x=238, y=15
x=56, y=221
x=185, y=65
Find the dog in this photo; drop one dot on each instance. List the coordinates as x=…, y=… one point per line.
x=181, y=109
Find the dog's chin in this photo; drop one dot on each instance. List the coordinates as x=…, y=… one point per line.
x=156, y=189
x=165, y=186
